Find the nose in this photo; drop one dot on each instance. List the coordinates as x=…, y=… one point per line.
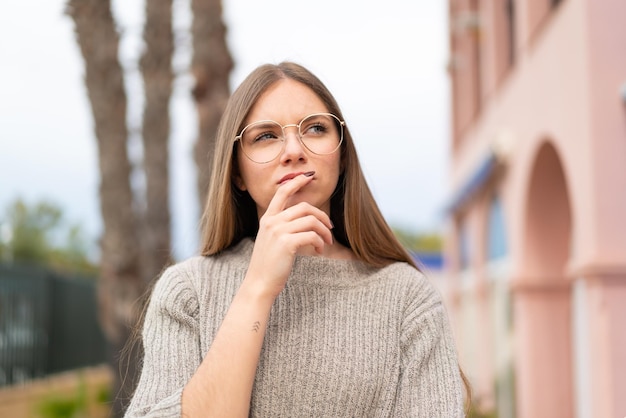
x=293, y=149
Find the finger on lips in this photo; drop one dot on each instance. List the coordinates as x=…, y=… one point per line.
x=287, y=189
x=303, y=216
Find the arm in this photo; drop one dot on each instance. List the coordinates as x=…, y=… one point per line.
x=222, y=385
x=430, y=383
x=175, y=380
x=171, y=346
x=172, y=357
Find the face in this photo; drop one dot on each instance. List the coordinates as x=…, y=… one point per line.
x=288, y=102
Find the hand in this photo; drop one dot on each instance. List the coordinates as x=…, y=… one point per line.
x=282, y=232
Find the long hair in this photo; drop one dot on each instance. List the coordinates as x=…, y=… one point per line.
x=230, y=214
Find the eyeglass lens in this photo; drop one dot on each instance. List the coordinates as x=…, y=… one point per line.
x=263, y=141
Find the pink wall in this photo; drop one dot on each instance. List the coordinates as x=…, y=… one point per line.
x=562, y=91
x=607, y=73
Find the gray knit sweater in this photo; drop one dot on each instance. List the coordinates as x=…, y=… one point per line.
x=343, y=340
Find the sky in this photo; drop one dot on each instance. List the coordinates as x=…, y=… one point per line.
x=383, y=61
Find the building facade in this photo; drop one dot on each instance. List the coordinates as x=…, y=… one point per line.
x=536, y=239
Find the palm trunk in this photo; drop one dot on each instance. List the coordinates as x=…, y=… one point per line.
x=156, y=68
x=128, y=263
x=211, y=65
x=120, y=281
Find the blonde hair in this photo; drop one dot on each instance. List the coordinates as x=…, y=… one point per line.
x=230, y=214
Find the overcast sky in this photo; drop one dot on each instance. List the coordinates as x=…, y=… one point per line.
x=383, y=61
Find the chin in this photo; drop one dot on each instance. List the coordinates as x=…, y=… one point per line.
x=294, y=200
x=322, y=205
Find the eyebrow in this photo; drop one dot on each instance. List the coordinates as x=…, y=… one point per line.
x=262, y=124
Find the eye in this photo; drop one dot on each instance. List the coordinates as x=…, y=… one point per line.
x=315, y=128
x=264, y=136
x=262, y=132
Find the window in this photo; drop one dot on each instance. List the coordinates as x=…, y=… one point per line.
x=464, y=245
x=497, y=242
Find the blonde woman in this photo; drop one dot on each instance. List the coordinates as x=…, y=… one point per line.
x=302, y=302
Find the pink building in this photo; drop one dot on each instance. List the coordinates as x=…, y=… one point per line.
x=536, y=245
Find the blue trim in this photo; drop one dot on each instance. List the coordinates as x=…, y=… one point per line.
x=497, y=242
x=430, y=260
x=473, y=184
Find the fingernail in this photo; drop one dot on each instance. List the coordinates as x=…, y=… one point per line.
x=332, y=225
x=309, y=173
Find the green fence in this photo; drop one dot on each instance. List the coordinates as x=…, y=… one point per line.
x=48, y=324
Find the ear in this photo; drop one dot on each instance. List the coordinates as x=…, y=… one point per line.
x=342, y=164
x=239, y=183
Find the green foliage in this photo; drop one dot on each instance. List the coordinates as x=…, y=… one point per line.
x=59, y=407
x=104, y=395
x=476, y=413
x=419, y=242
x=38, y=234
x=56, y=406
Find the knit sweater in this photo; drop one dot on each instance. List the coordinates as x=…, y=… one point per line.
x=343, y=340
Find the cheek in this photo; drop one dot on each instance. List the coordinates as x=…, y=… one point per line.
x=244, y=171
x=256, y=180
x=335, y=167
x=330, y=172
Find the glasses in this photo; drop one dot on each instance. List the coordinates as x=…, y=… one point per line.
x=264, y=141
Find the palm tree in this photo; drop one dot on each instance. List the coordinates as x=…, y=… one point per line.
x=211, y=66
x=156, y=68
x=135, y=244
x=123, y=276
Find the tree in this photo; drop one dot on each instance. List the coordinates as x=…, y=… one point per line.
x=136, y=238
x=122, y=279
x=156, y=67
x=419, y=242
x=120, y=282
x=38, y=234
x=211, y=65
x=30, y=230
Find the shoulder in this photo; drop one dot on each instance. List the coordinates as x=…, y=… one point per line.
x=415, y=284
x=194, y=272
x=418, y=299
x=181, y=275
x=175, y=287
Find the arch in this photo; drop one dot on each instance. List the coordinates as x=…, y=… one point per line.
x=547, y=219
x=542, y=293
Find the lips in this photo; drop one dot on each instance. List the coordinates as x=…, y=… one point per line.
x=289, y=176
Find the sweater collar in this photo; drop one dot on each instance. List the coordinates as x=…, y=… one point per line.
x=317, y=270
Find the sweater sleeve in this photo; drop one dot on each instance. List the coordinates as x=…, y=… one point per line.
x=430, y=381
x=171, y=348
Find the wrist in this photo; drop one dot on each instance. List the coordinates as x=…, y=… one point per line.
x=257, y=292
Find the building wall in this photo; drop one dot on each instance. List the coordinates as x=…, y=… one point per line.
x=545, y=101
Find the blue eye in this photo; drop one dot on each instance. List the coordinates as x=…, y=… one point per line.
x=315, y=129
x=265, y=136
x=318, y=128
x=265, y=131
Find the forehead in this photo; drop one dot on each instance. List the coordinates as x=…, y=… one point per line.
x=286, y=101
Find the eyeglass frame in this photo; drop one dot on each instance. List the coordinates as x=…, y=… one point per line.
x=341, y=123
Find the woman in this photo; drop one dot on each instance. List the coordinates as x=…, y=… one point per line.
x=302, y=303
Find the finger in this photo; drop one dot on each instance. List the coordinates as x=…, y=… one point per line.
x=302, y=239
x=303, y=209
x=286, y=190
x=309, y=223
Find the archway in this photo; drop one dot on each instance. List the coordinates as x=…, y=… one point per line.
x=542, y=294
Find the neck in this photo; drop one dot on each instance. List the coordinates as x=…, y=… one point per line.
x=336, y=250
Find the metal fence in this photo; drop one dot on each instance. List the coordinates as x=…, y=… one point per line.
x=48, y=324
